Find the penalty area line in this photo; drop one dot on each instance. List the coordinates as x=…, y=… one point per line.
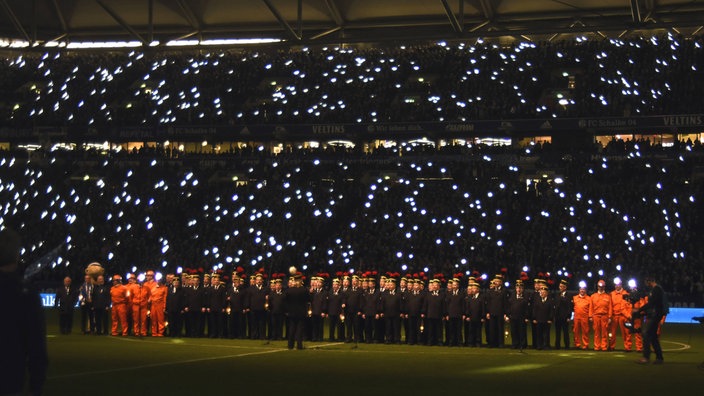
x=162, y=364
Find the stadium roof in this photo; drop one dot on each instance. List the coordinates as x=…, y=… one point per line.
x=309, y=22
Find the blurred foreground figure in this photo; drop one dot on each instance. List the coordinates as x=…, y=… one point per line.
x=23, y=333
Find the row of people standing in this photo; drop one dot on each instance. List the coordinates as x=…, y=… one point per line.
x=354, y=309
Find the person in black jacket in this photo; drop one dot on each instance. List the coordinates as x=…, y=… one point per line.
x=236, y=300
x=370, y=310
x=542, y=314
x=333, y=312
x=518, y=314
x=23, y=332
x=101, y=305
x=653, y=310
x=174, y=308
x=296, y=302
x=257, y=295
x=66, y=298
x=454, y=302
x=216, y=308
x=391, y=307
x=433, y=312
x=351, y=301
x=474, y=315
x=415, y=301
x=563, y=311
x=277, y=311
x=496, y=308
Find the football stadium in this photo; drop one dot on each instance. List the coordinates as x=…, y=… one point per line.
x=351, y=196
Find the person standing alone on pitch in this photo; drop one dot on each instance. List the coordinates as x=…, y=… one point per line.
x=653, y=312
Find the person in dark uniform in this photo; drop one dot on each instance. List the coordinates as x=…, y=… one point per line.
x=277, y=312
x=474, y=315
x=534, y=297
x=518, y=314
x=414, y=309
x=391, y=307
x=193, y=306
x=496, y=309
x=257, y=301
x=433, y=312
x=563, y=312
x=334, y=311
x=318, y=306
x=542, y=314
x=296, y=300
x=174, y=308
x=403, y=289
x=351, y=301
x=65, y=301
x=101, y=305
x=24, y=358
x=216, y=307
x=370, y=310
x=454, y=301
x=236, y=304
x=204, y=319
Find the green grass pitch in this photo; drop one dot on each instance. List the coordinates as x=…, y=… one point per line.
x=92, y=365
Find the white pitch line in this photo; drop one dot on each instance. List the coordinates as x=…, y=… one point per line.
x=162, y=364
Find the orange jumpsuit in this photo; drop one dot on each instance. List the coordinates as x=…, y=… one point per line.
x=601, y=315
x=140, y=305
x=119, y=298
x=582, y=309
x=621, y=312
x=158, y=308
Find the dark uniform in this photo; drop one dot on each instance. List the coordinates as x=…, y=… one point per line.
x=101, y=304
x=391, y=306
x=277, y=314
x=318, y=306
x=296, y=301
x=236, y=301
x=543, y=313
x=218, y=303
x=415, y=301
x=434, y=309
x=257, y=301
x=174, y=308
x=66, y=298
x=334, y=310
x=519, y=313
x=563, y=311
x=496, y=308
x=370, y=312
x=352, y=299
x=454, y=302
x=474, y=315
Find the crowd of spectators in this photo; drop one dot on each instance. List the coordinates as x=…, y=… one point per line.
x=626, y=210
x=442, y=82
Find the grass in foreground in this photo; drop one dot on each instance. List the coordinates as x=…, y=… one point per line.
x=82, y=365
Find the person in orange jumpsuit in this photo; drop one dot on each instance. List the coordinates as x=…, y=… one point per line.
x=621, y=309
x=119, y=298
x=601, y=315
x=158, y=307
x=139, y=298
x=582, y=310
x=132, y=287
x=151, y=284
